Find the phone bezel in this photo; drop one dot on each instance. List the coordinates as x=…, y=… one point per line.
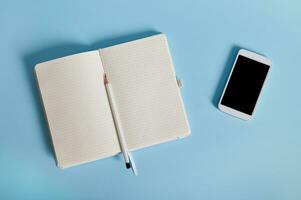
x=253, y=56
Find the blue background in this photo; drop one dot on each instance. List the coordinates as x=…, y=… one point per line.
x=224, y=158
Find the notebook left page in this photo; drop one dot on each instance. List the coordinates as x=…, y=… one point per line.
x=77, y=108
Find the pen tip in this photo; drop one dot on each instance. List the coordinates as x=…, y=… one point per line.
x=128, y=165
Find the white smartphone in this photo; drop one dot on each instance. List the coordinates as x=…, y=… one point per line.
x=244, y=84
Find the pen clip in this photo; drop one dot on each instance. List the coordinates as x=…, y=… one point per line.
x=133, y=166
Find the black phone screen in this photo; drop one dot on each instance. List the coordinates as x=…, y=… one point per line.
x=245, y=84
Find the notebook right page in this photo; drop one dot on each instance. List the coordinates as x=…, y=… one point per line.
x=145, y=90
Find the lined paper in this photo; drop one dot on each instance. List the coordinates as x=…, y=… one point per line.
x=77, y=108
x=147, y=97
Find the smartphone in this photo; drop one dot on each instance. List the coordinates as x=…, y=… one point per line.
x=244, y=84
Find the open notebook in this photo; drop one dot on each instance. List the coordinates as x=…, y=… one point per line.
x=146, y=94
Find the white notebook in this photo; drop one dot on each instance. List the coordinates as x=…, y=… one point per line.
x=146, y=95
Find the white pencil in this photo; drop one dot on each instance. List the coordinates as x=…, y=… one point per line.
x=117, y=124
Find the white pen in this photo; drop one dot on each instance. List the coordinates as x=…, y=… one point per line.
x=117, y=124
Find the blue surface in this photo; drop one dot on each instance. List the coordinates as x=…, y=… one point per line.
x=224, y=158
